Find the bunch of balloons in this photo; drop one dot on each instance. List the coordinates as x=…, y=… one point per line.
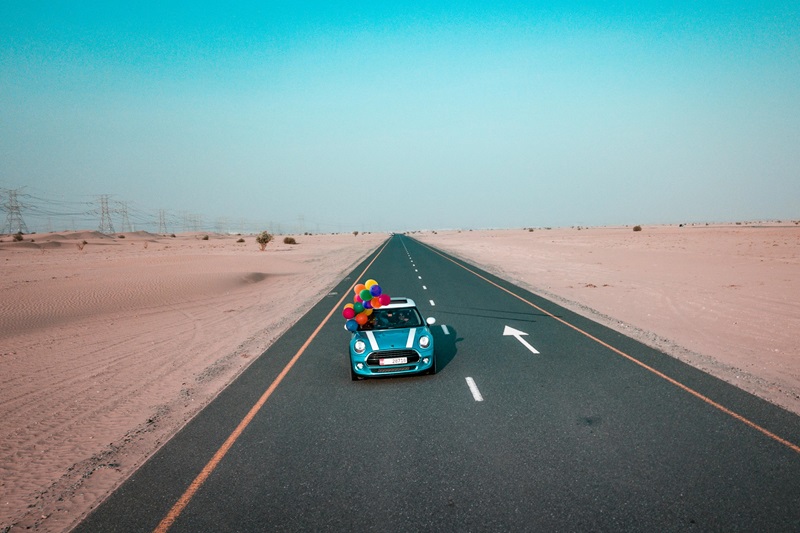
x=369, y=296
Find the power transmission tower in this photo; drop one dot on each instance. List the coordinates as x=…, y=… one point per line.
x=14, y=221
x=162, y=221
x=126, y=223
x=106, y=226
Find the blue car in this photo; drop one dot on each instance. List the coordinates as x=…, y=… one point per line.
x=394, y=341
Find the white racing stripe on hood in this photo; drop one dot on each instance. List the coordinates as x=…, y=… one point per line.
x=411, y=334
x=372, y=342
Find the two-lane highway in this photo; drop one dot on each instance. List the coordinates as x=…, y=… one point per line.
x=567, y=427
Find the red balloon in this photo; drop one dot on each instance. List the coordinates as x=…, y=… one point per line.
x=385, y=299
x=348, y=313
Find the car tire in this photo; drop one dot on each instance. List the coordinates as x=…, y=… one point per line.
x=353, y=375
x=433, y=368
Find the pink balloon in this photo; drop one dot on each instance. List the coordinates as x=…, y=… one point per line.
x=385, y=299
x=348, y=313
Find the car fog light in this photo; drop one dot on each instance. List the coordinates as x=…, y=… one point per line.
x=425, y=360
x=360, y=366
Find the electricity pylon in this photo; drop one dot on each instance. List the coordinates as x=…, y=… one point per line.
x=14, y=221
x=106, y=226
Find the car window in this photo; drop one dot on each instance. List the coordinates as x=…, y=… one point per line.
x=407, y=317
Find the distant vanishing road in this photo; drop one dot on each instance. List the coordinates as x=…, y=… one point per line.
x=561, y=424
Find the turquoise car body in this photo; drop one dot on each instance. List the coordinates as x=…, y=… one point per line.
x=395, y=341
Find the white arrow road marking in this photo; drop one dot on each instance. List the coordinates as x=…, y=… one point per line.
x=474, y=390
x=518, y=334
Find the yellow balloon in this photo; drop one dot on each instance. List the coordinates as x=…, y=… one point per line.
x=370, y=283
x=367, y=312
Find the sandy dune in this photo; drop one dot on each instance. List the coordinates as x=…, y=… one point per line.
x=107, y=351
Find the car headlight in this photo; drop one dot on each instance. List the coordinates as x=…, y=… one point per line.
x=360, y=346
x=424, y=341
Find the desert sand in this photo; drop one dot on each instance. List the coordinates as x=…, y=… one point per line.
x=107, y=351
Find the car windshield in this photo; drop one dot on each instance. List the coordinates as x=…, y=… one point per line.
x=406, y=317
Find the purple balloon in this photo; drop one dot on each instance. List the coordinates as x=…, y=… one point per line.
x=375, y=290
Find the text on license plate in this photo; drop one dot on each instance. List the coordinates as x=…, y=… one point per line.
x=393, y=361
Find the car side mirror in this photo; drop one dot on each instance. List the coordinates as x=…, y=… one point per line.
x=430, y=321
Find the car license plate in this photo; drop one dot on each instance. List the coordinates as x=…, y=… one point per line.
x=393, y=361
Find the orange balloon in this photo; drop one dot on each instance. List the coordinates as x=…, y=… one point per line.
x=375, y=303
x=361, y=318
x=360, y=287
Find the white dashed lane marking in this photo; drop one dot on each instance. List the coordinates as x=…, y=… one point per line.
x=445, y=330
x=474, y=390
x=432, y=304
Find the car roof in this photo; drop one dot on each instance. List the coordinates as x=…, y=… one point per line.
x=399, y=303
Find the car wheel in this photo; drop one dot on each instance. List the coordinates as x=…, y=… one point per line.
x=353, y=375
x=433, y=368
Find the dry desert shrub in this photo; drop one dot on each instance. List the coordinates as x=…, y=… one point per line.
x=289, y=240
x=263, y=239
x=240, y=239
x=17, y=237
x=637, y=228
x=81, y=244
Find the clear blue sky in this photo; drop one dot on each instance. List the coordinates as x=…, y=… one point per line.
x=379, y=116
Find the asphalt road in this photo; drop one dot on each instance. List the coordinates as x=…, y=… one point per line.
x=595, y=432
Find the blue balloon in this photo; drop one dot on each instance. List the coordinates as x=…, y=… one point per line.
x=367, y=305
x=375, y=290
x=351, y=325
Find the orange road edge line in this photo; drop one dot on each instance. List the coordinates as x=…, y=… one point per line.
x=706, y=399
x=201, y=478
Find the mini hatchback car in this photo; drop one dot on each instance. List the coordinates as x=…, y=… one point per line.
x=394, y=341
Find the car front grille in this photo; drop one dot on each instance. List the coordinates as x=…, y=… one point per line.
x=390, y=369
x=374, y=358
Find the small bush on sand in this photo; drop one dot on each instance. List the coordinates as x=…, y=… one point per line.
x=355, y=233
x=17, y=237
x=120, y=236
x=263, y=239
x=204, y=237
x=81, y=244
x=240, y=240
x=637, y=228
x=289, y=240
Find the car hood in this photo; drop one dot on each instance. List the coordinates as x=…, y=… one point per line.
x=391, y=338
